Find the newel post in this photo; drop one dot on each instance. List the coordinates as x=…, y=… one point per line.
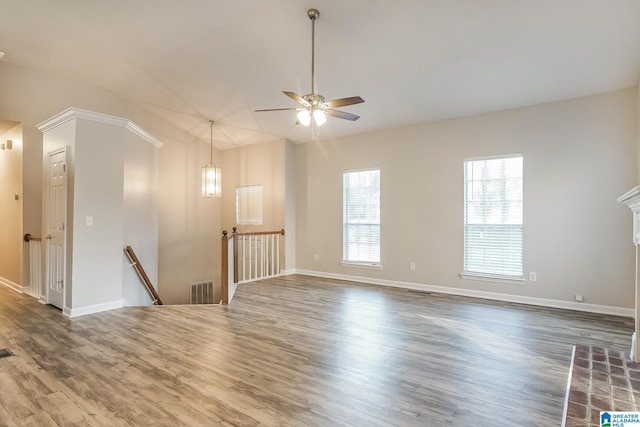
x=235, y=254
x=224, y=270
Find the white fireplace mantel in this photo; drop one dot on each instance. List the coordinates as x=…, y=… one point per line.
x=632, y=199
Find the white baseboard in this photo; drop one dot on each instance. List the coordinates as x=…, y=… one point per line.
x=543, y=302
x=91, y=309
x=9, y=284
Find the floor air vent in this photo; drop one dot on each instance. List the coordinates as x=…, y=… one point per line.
x=201, y=293
x=5, y=353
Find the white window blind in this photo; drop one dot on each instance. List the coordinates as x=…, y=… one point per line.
x=361, y=217
x=493, y=197
x=249, y=205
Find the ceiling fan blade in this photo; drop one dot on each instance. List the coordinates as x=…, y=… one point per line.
x=276, y=109
x=297, y=98
x=344, y=101
x=342, y=115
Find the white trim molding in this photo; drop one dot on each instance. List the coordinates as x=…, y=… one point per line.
x=632, y=199
x=78, y=113
x=11, y=285
x=519, y=299
x=91, y=309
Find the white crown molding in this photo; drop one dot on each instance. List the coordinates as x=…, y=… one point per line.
x=631, y=197
x=519, y=299
x=144, y=134
x=78, y=113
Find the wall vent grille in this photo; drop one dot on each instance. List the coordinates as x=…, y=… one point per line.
x=201, y=293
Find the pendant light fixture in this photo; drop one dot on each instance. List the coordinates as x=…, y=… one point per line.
x=211, y=176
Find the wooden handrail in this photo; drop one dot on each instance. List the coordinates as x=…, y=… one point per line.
x=256, y=233
x=135, y=263
x=28, y=237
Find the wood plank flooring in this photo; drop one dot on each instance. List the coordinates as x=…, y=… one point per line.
x=295, y=350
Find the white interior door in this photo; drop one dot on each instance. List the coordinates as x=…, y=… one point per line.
x=56, y=219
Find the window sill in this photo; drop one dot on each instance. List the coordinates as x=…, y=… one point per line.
x=482, y=278
x=368, y=266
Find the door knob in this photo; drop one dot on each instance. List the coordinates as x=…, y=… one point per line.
x=48, y=237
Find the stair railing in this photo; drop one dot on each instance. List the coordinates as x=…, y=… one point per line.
x=135, y=263
x=247, y=257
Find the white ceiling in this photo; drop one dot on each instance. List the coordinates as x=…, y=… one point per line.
x=413, y=61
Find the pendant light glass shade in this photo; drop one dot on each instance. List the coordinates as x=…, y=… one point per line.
x=211, y=176
x=211, y=181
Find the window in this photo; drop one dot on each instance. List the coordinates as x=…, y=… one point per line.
x=249, y=205
x=493, y=217
x=361, y=217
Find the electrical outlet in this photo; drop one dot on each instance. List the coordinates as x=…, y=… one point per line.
x=533, y=276
x=579, y=298
x=412, y=266
x=315, y=257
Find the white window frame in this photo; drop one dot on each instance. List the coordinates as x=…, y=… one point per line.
x=511, y=268
x=249, y=205
x=349, y=260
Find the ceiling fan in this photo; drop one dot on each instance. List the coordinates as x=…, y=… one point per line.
x=313, y=104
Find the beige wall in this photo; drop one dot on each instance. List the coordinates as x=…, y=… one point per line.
x=290, y=209
x=579, y=156
x=253, y=165
x=32, y=191
x=112, y=180
x=264, y=164
x=190, y=232
x=189, y=228
x=638, y=129
x=11, y=210
x=140, y=197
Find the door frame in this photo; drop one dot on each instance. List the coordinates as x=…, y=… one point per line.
x=47, y=193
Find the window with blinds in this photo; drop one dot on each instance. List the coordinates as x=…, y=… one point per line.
x=249, y=205
x=361, y=217
x=493, y=197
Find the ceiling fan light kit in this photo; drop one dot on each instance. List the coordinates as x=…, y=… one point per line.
x=313, y=105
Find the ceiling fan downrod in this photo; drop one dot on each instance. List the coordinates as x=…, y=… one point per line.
x=313, y=15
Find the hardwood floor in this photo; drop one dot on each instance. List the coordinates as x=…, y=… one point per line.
x=295, y=351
